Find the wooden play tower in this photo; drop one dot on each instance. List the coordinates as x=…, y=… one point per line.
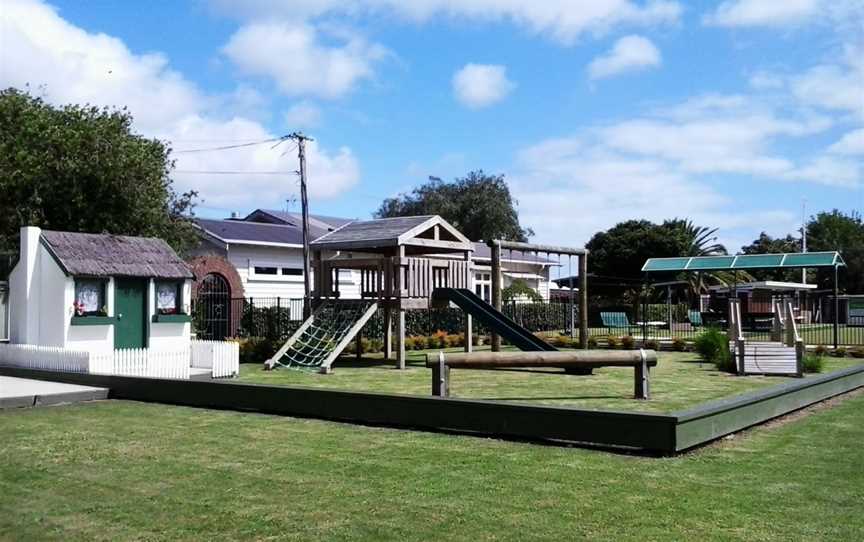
x=401, y=261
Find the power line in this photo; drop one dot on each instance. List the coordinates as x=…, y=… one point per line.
x=237, y=146
x=223, y=172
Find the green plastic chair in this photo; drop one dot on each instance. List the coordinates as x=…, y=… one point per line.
x=695, y=318
x=615, y=319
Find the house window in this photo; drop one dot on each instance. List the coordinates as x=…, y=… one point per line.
x=90, y=297
x=266, y=270
x=292, y=272
x=483, y=286
x=169, y=298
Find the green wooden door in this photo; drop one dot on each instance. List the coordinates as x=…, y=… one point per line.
x=130, y=309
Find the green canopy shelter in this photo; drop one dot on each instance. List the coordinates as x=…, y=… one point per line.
x=748, y=262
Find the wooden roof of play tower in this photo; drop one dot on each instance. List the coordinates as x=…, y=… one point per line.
x=417, y=234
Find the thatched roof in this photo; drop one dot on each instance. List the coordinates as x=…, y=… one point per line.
x=104, y=255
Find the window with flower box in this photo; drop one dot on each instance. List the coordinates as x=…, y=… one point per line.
x=90, y=298
x=169, y=303
x=169, y=298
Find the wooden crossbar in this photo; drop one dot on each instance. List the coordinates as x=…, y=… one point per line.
x=640, y=360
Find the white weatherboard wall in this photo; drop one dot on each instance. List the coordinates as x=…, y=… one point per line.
x=244, y=258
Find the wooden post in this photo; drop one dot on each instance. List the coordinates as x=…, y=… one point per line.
x=641, y=385
x=496, y=290
x=740, y=350
x=441, y=377
x=469, y=320
x=388, y=333
x=400, y=339
x=358, y=340
x=800, y=352
x=583, y=301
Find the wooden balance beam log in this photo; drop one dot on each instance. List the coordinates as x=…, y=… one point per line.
x=640, y=360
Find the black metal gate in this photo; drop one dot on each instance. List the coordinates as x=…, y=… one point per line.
x=213, y=307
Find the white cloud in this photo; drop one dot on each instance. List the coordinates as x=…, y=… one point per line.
x=713, y=134
x=834, y=86
x=765, y=81
x=44, y=51
x=481, y=85
x=629, y=54
x=666, y=163
x=762, y=12
x=556, y=176
x=294, y=56
x=558, y=19
x=842, y=15
x=40, y=49
x=829, y=171
x=850, y=143
x=302, y=115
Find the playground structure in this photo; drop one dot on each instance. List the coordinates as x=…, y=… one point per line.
x=401, y=262
x=404, y=263
x=784, y=353
x=577, y=361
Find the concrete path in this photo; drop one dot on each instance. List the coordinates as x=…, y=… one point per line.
x=23, y=392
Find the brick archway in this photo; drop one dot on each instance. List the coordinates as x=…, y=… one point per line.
x=203, y=265
x=217, y=265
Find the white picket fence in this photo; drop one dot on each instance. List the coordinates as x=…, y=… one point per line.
x=142, y=362
x=49, y=358
x=221, y=357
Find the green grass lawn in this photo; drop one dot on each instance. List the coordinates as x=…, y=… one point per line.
x=119, y=470
x=679, y=381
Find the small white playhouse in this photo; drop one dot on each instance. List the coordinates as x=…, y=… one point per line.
x=108, y=304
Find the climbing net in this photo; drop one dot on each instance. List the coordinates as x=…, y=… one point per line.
x=330, y=324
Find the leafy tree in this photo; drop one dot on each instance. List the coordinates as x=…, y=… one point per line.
x=478, y=205
x=844, y=233
x=766, y=244
x=81, y=168
x=519, y=289
x=618, y=254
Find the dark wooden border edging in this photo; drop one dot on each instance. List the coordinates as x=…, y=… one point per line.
x=659, y=433
x=713, y=420
x=654, y=432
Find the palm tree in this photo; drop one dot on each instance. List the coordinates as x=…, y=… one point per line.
x=701, y=241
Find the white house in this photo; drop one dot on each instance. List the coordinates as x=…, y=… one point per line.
x=98, y=292
x=266, y=250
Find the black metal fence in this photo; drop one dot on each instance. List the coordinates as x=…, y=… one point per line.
x=277, y=318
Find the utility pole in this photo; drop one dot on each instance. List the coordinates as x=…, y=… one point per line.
x=304, y=202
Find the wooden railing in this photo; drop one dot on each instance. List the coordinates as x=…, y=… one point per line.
x=386, y=278
x=736, y=333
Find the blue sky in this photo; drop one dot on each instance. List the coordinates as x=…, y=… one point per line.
x=729, y=113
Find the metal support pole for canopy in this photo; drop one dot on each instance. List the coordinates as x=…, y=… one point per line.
x=836, y=306
x=645, y=288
